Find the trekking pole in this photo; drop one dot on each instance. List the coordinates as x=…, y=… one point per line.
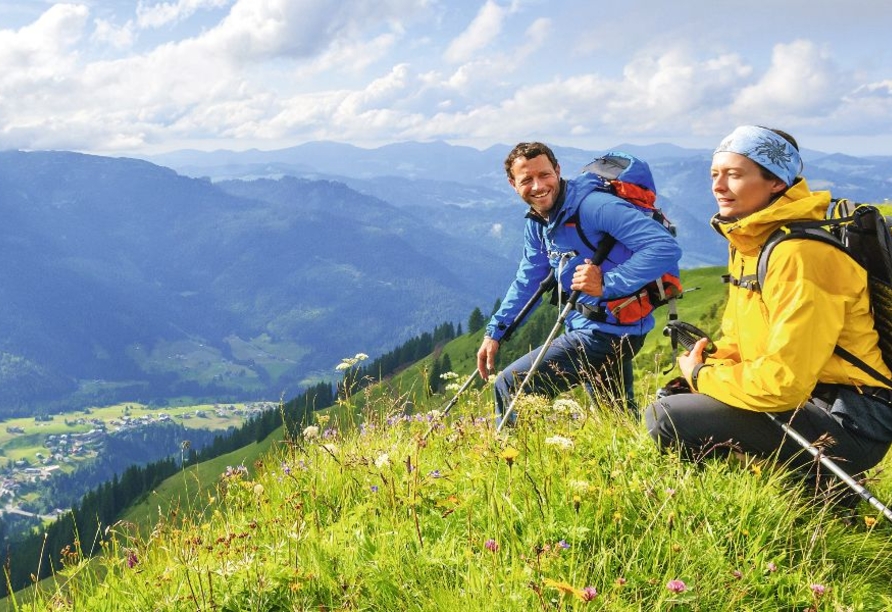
x=544, y=287
x=597, y=259
x=571, y=303
x=833, y=467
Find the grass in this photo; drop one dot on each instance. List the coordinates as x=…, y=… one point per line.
x=573, y=509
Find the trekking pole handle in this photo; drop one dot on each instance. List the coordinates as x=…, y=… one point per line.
x=547, y=284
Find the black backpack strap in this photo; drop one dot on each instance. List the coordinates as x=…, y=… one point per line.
x=810, y=230
x=858, y=363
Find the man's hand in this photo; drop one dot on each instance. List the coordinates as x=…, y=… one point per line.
x=689, y=359
x=587, y=278
x=486, y=357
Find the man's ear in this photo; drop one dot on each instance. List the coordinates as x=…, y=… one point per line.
x=557, y=170
x=511, y=182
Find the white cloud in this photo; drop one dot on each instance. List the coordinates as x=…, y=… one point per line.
x=802, y=80
x=271, y=73
x=485, y=27
x=156, y=15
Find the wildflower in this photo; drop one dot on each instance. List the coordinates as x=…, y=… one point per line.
x=560, y=442
x=286, y=468
x=311, y=432
x=132, y=559
x=258, y=489
x=566, y=405
x=579, y=486
x=737, y=574
x=382, y=461
x=620, y=581
x=818, y=590
x=349, y=362
x=491, y=545
x=677, y=586
x=576, y=502
x=588, y=593
x=509, y=455
x=374, y=488
x=564, y=587
x=448, y=375
x=435, y=474
x=869, y=521
x=771, y=567
x=563, y=544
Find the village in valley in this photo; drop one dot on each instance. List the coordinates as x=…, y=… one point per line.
x=35, y=449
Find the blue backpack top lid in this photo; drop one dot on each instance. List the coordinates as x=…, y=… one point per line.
x=623, y=167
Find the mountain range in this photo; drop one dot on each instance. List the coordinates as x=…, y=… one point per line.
x=250, y=274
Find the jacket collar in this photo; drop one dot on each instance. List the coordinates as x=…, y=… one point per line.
x=747, y=235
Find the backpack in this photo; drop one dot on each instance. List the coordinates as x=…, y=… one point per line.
x=630, y=179
x=862, y=232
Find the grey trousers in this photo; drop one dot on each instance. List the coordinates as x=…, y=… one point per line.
x=700, y=426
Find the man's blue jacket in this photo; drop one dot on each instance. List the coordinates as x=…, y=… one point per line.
x=644, y=251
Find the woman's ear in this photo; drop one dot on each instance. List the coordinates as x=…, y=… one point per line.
x=778, y=187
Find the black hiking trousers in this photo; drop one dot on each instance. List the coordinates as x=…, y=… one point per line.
x=700, y=426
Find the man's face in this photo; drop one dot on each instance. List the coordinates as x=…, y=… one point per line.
x=537, y=182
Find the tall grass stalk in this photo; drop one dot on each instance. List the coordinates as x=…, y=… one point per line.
x=573, y=509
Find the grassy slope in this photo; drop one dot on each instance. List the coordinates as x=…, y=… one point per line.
x=737, y=537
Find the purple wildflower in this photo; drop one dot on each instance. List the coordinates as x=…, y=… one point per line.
x=491, y=545
x=435, y=474
x=737, y=574
x=132, y=559
x=589, y=593
x=374, y=488
x=818, y=590
x=771, y=567
x=563, y=544
x=677, y=586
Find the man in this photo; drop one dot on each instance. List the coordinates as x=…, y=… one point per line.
x=566, y=218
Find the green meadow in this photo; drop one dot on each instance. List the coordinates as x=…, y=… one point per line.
x=382, y=502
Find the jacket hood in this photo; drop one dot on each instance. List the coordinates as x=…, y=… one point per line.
x=747, y=235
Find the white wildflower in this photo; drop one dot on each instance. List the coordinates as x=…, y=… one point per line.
x=448, y=375
x=311, y=432
x=578, y=486
x=563, y=405
x=560, y=442
x=382, y=461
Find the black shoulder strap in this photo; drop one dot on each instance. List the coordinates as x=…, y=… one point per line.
x=811, y=230
x=814, y=230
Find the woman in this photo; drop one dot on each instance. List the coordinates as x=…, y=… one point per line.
x=775, y=353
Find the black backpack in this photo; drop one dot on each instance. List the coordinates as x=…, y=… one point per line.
x=861, y=231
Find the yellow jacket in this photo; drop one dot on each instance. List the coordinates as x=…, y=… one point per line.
x=778, y=344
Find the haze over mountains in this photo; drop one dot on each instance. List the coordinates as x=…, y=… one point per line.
x=249, y=274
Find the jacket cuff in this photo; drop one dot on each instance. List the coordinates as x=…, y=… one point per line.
x=695, y=374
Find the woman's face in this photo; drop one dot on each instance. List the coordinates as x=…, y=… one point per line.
x=739, y=187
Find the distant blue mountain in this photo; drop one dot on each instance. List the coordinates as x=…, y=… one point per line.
x=248, y=274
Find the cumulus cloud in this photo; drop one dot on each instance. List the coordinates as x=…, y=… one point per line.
x=485, y=27
x=802, y=80
x=156, y=15
x=275, y=72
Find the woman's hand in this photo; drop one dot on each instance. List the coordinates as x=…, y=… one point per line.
x=689, y=359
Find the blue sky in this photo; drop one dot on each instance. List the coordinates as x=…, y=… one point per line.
x=117, y=77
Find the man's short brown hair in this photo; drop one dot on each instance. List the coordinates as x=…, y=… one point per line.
x=528, y=150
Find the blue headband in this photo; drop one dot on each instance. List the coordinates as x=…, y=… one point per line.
x=768, y=149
